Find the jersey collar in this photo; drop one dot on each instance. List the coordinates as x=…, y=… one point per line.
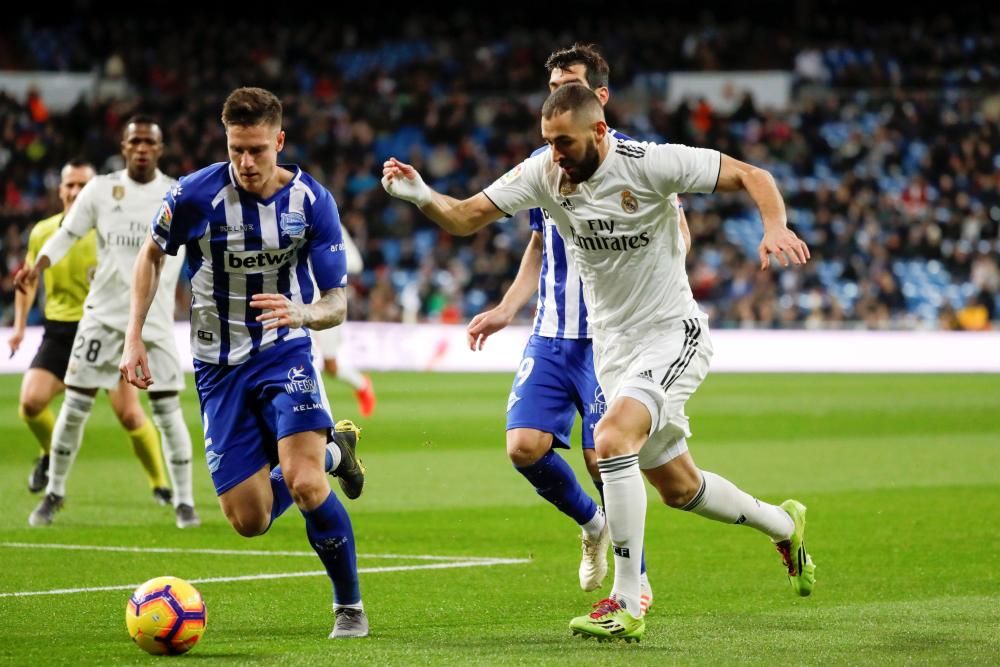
x=294, y=168
x=157, y=175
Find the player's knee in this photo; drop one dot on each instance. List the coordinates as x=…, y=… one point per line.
x=249, y=523
x=526, y=446
x=250, y=528
x=680, y=497
x=679, y=490
x=131, y=419
x=611, y=439
x=330, y=366
x=309, y=488
x=31, y=406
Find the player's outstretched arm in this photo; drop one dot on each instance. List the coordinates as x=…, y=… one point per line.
x=134, y=366
x=460, y=218
x=483, y=325
x=759, y=184
x=328, y=311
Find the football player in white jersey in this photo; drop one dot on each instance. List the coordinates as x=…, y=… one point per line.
x=119, y=206
x=329, y=341
x=615, y=204
x=556, y=378
x=66, y=287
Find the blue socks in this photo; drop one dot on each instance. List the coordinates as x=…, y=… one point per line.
x=282, y=496
x=331, y=536
x=555, y=481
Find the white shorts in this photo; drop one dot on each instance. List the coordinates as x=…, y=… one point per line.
x=661, y=369
x=329, y=340
x=97, y=351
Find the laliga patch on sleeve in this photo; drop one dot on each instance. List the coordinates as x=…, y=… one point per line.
x=165, y=215
x=512, y=175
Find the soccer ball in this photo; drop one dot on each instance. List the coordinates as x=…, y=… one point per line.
x=166, y=615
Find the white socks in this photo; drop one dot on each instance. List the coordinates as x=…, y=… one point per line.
x=336, y=456
x=66, y=438
x=721, y=500
x=625, y=504
x=596, y=524
x=176, y=443
x=350, y=375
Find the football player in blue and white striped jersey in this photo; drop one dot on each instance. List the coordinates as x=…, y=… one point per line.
x=266, y=259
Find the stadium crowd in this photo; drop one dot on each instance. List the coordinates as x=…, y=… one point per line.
x=888, y=156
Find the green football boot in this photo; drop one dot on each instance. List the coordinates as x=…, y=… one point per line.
x=801, y=569
x=609, y=621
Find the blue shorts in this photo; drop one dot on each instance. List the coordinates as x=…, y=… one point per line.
x=554, y=382
x=246, y=409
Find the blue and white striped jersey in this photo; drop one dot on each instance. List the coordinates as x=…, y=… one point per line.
x=239, y=245
x=561, y=312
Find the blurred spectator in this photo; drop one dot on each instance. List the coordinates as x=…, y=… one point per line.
x=975, y=316
x=888, y=157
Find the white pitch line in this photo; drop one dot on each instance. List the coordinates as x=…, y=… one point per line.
x=276, y=575
x=229, y=552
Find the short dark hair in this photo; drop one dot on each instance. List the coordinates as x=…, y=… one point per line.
x=574, y=97
x=251, y=106
x=139, y=119
x=582, y=54
x=78, y=162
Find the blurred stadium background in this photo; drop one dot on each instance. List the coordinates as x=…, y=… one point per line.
x=882, y=126
x=882, y=129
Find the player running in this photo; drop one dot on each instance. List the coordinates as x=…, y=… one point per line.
x=615, y=204
x=556, y=379
x=262, y=241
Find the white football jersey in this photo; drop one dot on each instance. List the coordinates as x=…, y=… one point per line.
x=122, y=210
x=621, y=227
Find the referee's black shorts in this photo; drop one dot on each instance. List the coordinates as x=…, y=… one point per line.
x=57, y=344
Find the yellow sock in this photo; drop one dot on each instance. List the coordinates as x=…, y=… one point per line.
x=41, y=426
x=146, y=445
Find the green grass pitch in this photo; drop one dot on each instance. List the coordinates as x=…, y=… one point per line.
x=901, y=475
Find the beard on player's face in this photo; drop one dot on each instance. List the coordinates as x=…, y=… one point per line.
x=579, y=170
